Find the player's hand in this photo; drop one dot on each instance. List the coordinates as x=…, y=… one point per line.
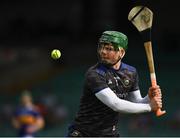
x=154, y=92
x=31, y=129
x=156, y=103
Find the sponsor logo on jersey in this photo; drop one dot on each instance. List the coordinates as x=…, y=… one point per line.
x=121, y=95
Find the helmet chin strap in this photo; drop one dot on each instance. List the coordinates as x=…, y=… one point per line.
x=120, y=57
x=116, y=61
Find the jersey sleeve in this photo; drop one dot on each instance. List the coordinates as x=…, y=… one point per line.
x=95, y=81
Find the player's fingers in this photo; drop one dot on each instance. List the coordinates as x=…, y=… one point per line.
x=154, y=87
x=156, y=92
x=159, y=104
x=157, y=101
x=158, y=97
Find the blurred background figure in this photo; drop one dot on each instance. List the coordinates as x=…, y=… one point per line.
x=142, y=122
x=174, y=122
x=54, y=112
x=27, y=118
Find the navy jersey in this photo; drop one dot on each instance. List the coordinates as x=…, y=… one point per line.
x=26, y=117
x=94, y=118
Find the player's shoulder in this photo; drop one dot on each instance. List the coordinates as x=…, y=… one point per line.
x=128, y=67
x=96, y=69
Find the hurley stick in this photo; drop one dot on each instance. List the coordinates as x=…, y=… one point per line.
x=142, y=17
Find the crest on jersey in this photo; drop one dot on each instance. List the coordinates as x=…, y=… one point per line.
x=126, y=82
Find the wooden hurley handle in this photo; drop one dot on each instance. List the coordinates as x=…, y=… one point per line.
x=149, y=54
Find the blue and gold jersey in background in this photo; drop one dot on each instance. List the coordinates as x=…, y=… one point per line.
x=26, y=117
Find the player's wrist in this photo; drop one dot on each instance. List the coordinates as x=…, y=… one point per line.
x=149, y=108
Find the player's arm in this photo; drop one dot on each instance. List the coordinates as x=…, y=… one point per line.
x=109, y=98
x=16, y=123
x=135, y=94
x=39, y=124
x=136, y=97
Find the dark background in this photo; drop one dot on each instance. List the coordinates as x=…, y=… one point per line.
x=29, y=30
